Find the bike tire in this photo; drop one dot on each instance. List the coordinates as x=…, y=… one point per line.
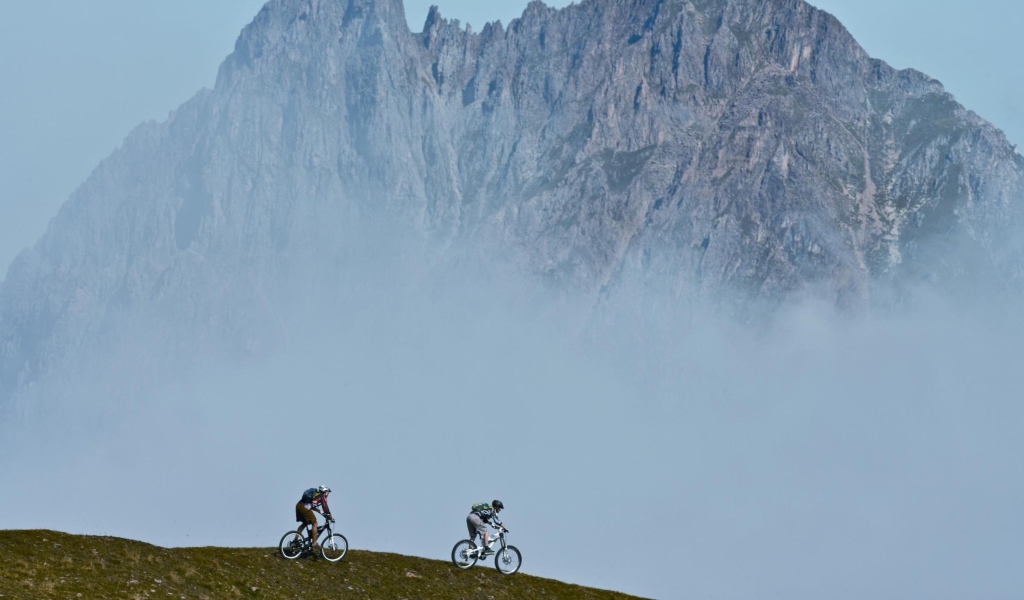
x=334, y=548
x=291, y=545
x=508, y=560
x=460, y=555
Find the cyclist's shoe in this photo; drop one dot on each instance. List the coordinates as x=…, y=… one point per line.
x=487, y=552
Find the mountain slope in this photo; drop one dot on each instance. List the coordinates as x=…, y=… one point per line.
x=45, y=564
x=700, y=148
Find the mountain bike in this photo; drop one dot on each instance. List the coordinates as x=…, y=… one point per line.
x=507, y=560
x=333, y=546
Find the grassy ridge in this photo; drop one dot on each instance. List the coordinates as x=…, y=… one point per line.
x=44, y=564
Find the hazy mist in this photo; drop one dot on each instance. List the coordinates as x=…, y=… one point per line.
x=658, y=451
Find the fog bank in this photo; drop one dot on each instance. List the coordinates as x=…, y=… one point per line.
x=818, y=455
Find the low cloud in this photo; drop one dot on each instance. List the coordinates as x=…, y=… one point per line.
x=817, y=454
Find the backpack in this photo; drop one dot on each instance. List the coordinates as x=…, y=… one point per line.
x=481, y=507
x=308, y=495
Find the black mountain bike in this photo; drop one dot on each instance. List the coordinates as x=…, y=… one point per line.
x=507, y=560
x=333, y=546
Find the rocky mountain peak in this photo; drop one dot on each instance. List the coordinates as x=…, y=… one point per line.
x=293, y=29
x=696, y=149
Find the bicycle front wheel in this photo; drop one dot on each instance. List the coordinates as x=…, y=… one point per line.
x=508, y=560
x=291, y=545
x=461, y=557
x=334, y=548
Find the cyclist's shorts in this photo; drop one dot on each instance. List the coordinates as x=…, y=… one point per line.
x=476, y=526
x=304, y=515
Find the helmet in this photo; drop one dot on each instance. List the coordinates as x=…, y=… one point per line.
x=324, y=489
x=497, y=505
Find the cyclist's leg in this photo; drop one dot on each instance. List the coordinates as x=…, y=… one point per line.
x=473, y=523
x=472, y=531
x=300, y=518
x=306, y=517
x=477, y=527
x=315, y=536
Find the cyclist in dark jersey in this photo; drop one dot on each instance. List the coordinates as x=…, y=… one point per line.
x=478, y=520
x=314, y=499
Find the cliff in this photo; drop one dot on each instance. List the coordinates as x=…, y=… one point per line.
x=699, y=148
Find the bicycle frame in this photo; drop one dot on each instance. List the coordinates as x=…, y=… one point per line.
x=499, y=538
x=327, y=528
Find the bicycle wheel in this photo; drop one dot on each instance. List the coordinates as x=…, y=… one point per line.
x=508, y=560
x=334, y=548
x=461, y=557
x=291, y=545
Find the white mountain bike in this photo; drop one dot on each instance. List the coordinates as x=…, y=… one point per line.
x=507, y=560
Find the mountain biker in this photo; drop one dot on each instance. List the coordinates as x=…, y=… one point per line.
x=313, y=499
x=482, y=515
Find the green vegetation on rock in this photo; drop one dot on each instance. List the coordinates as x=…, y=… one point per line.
x=44, y=564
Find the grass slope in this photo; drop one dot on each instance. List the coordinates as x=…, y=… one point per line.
x=44, y=564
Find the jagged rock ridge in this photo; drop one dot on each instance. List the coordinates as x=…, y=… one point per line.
x=693, y=145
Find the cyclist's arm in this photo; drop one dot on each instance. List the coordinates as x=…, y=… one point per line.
x=327, y=510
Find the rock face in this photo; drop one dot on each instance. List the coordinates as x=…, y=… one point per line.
x=696, y=146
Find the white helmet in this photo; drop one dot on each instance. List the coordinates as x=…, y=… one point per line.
x=324, y=489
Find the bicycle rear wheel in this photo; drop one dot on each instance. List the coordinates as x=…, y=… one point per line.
x=508, y=560
x=461, y=557
x=291, y=545
x=334, y=548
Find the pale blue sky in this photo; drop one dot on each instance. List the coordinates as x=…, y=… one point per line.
x=76, y=77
